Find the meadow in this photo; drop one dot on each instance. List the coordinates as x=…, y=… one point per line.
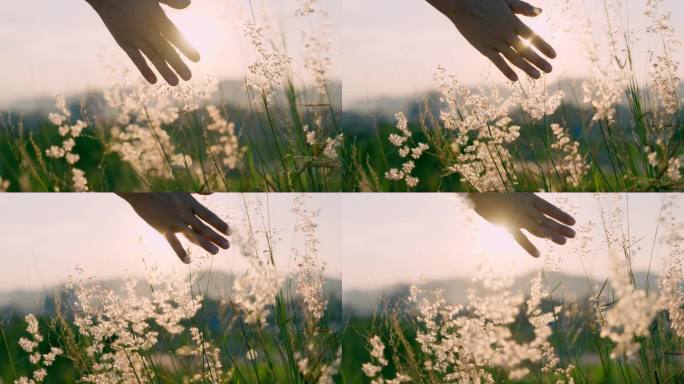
x=283, y=134
x=617, y=129
x=263, y=325
x=625, y=329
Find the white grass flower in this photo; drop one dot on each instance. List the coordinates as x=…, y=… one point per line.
x=573, y=166
x=401, y=142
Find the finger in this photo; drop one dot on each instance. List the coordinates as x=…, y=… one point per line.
x=210, y=217
x=171, y=56
x=208, y=233
x=541, y=232
x=525, y=243
x=530, y=55
x=519, y=62
x=178, y=4
x=500, y=63
x=200, y=241
x=535, y=40
x=160, y=64
x=523, y=8
x=177, y=247
x=555, y=226
x=174, y=35
x=552, y=211
x=140, y=62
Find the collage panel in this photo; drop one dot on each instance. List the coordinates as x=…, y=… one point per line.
x=442, y=293
x=92, y=293
x=513, y=96
x=150, y=96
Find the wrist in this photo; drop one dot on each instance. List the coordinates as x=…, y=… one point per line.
x=448, y=7
x=131, y=198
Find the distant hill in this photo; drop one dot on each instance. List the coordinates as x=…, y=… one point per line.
x=230, y=92
x=215, y=284
x=366, y=302
x=387, y=106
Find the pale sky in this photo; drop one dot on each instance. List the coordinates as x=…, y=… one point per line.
x=401, y=238
x=45, y=237
x=392, y=47
x=55, y=46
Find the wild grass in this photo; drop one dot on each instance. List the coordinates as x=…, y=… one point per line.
x=624, y=331
x=613, y=131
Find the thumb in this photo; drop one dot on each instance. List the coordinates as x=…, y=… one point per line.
x=523, y=8
x=525, y=243
x=178, y=4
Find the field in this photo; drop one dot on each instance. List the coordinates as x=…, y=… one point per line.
x=624, y=329
x=617, y=129
x=277, y=130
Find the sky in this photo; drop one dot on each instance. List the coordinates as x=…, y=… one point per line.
x=392, y=47
x=401, y=238
x=45, y=237
x=50, y=47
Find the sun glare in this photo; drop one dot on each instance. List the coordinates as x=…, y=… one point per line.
x=496, y=241
x=203, y=32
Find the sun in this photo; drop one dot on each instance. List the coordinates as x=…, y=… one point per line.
x=202, y=31
x=495, y=241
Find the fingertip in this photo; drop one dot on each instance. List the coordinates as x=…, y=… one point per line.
x=194, y=56
x=536, y=11
x=185, y=74
x=173, y=81
x=224, y=244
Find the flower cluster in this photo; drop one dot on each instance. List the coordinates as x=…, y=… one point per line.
x=138, y=135
x=459, y=342
x=665, y=69
x=574, y=166
x=228, y=149
x=481, y=129
x=401, y=141
x=255, y=291
x=534, y=99
x=118, y=327
x=309, y=273
x=69, y=133
x=373, y=369
x=267, y=71
x=41, y=361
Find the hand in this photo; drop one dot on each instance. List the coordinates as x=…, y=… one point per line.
x=172, y=213
x=528, y=211
x=141, y=27
x=492, y=27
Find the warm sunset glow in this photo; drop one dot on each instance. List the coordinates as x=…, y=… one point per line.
x=495, y=240
x=203, y=32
